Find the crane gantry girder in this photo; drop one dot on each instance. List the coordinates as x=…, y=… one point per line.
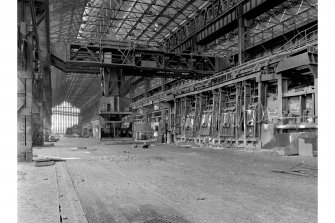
x=137, y=60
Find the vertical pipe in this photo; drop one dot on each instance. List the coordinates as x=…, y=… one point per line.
x=55, y=119
x=245, y=127
x=259, y=115
x=68, y=114
x=59, y=121
x=58, y=124
x=241, y=33
x=71, y=117
x=63, y=118
x=316, y=111
x=52, y=121
x=219, y=116
x=114, y=129
x=211, y=130
x=236, y=110
x=66, y=117
x=280, y=95
x=55, y=123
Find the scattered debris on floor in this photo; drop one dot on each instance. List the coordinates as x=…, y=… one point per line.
x=300, y=170
x=114, y=158
x=134, y=146
x=53, y=139
x=82, y=147
x=145, y=145
x=159, y=158
x=47, y=161
x=44, y=163
x=82, y=180
x=159, y=220
x=185, y=146
x=49, y=158
x=21, y=175
x=79, y=148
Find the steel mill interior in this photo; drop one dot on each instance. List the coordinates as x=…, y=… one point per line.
x=167, y=110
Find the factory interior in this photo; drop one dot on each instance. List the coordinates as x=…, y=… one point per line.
x=161, y=111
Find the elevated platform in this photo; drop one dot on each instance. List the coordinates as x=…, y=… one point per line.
x=251, y=69
x=136, y=60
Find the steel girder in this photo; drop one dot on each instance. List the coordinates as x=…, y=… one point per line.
x=177, y=14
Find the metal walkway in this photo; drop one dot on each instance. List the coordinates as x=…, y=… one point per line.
x=136, y=60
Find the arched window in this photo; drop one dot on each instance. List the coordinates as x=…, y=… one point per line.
x=64, y=116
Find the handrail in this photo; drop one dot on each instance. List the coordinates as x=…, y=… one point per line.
x=220, y=74
x=299, y=34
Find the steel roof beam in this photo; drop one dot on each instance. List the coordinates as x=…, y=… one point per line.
x=130, y=11
x=170, y=21
x=140, y=19
x=156, y=18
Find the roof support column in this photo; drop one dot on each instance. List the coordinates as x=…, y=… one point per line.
x=34, y=92
x=43, y=30
x=27, y=111
x=241, y=36
x=111, y=82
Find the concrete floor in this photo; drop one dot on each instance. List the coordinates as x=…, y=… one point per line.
x=118, y=183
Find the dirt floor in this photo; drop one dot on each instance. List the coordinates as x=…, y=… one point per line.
x=115, y=182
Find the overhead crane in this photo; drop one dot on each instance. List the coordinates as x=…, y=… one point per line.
x=137, y=60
